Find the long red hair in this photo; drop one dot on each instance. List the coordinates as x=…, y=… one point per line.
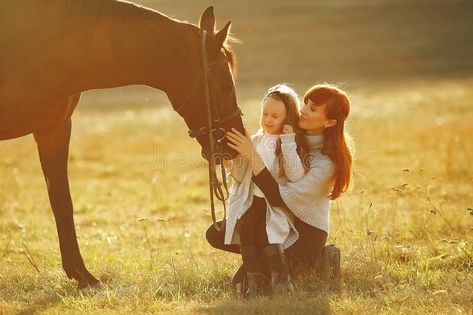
x=337, y=106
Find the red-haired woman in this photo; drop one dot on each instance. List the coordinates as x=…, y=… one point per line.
x=322, y=117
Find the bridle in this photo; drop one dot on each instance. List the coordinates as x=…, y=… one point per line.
x=214, y=124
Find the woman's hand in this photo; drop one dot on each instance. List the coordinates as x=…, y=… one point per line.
x=240, y=143
x=243, y=145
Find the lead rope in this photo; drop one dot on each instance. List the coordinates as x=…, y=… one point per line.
x=214, y=184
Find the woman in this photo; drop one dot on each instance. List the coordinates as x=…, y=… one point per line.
x=323, y=117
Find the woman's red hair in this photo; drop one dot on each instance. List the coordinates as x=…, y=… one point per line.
x=337, y=106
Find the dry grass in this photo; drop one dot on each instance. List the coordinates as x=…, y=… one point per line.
x=405, y=229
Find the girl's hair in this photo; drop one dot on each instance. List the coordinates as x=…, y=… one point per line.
x=337, y=106
x=290, y=99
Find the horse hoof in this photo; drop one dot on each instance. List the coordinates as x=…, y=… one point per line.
x=237, y=290
x=84, y=278
x=87, y=285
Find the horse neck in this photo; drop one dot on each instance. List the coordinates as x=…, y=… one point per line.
x=132, y=45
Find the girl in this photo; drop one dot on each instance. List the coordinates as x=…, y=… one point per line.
x=252, y=222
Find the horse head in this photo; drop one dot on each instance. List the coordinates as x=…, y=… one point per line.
x=209, y=105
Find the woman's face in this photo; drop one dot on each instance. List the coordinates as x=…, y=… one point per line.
x=313, y=119
x=273, y=114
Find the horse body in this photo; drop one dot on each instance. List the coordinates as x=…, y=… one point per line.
x=81, y=45
x=51, y=51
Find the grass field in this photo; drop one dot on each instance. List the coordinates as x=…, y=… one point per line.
x=140, y=190
x=405, y=230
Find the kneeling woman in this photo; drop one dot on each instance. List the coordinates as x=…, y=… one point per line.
x=322, y=117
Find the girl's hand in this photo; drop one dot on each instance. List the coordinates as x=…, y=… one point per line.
x=287, y=129
x=240, y=143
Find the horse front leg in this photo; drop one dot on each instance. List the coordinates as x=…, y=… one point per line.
x=53, y=148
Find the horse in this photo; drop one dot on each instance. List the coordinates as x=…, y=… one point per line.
x=52, y=50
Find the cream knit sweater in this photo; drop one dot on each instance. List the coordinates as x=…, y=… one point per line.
x=309, y=198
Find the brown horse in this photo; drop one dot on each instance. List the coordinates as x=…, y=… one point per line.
x=52, y=50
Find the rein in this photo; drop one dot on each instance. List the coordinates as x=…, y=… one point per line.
x=214, y=124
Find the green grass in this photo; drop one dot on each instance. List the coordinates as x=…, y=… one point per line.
x=404, y=229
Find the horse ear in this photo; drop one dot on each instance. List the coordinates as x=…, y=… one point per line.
x=222, y=34
x=207, y=20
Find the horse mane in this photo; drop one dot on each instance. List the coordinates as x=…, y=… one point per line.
x=230, y=53
x=123, y=8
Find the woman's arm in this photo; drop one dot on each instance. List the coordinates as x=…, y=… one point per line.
x=292, y=163
x=270, y=188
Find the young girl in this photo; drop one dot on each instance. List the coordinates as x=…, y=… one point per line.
x=280, y=143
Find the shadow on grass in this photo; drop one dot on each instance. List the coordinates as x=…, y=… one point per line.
x=293, y=304
x=47, y=299
x=312, y=296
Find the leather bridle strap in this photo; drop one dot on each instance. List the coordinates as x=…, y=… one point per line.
x=214, y=123
x=214, y=184
x=193, y=133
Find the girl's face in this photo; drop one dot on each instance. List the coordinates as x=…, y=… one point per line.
x=273, y=114
x=313, y=119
